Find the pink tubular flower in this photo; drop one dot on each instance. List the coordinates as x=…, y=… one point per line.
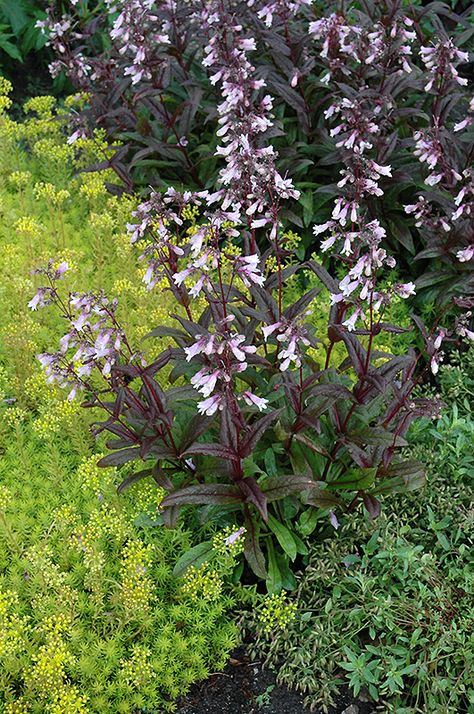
x=291, y=337
x=253, y=400
x=404, y=290
x=465, y=254
x=211, y=405
x=203, y=345
x=205, y=381
x=351, y=321
x=440, y=61
x=247, y=269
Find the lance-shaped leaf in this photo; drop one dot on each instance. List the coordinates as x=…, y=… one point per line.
x=220, y=452
x=161, y=451
x=194, y=557
x=281, y=486
x=196, y=427
x=355, y=480
x=286, y=273
x=372, y=505
x=203, y=493
x=170, y=516
x=253, y=494
x=400, y=476
x=357, y=354
x=161, y=478
x=376, y=436
x=300, y=305
x=327, y=280
x=133, y=478
x=191, y=327
x=117, y=458
x=163, y=331
x=283, y=536
x=256, y=432
x=317, y=448
x=322, y=498
x=265, y=302
x=252, y=551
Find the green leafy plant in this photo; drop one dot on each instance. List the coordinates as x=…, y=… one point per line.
x=388, y=609
x=22, y=45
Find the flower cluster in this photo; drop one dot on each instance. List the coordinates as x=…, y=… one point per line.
x=358, y=238
x=225, y=356
x=138, y=34
x=136, y=586
x=137, y=670
x=276, y=611
x=251, y=180
x=62, y=34
x=440, y=60
x=203, y=582
x=282, y=9
x=462, y=327
x=338, y=41
x=94, y=340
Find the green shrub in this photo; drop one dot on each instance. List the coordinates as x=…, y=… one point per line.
x=387, y=608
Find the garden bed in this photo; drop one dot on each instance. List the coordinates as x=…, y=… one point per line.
x=245, y=687
x=236, y=359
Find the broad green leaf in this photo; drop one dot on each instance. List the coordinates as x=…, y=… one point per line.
x=11, y=50
x=274, y=579
x=193, y=557
x=252, y=550
x=14, y=12
x=308, y=521
x=283, y=536
x=355, y=479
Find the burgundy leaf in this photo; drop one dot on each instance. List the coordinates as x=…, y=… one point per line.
x=372, y=505
x=279, y=487
x=252, y=551
x=133, y=478
x=203, y=493
x=253, y=494
x=196, y=427
x=220, y=452
x=117, y=458
x=256, y=432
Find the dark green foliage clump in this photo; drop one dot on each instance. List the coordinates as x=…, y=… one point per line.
x=388, y=607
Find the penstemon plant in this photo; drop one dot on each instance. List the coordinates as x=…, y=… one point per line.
x=388, y=78
x=235, y=415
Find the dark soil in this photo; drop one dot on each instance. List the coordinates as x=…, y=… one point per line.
x=245, y=687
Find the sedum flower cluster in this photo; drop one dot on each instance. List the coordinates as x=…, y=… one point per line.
x=67, y=642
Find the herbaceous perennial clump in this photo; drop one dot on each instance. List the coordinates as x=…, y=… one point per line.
x=252, y=424
x=394, y=75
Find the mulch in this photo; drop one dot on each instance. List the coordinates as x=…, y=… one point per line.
x=245, y=687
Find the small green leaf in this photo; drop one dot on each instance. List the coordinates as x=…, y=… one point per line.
x=283, y=536
x=193, y=557
x=355, y=479
x=270, y=463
